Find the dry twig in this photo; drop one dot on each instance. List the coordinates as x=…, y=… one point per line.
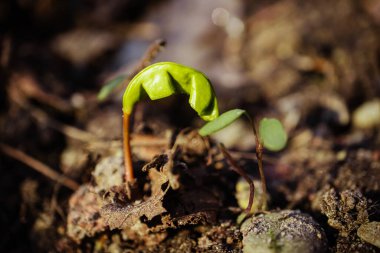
x=145, y=60
x=38, y=166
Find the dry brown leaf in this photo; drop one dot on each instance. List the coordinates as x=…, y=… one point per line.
x=121, y=216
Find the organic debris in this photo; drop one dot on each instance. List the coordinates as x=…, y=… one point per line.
x=346, y=213
x=171, y=197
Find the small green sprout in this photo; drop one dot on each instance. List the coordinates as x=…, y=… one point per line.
x=106, y=90
x=221, y=122
x=161, y=80
x=271, y=135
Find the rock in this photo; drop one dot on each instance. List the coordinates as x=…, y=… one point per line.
x=367, y=115
x=283, y=231
x=73, y=160
x=370, y=232
x=108, y=173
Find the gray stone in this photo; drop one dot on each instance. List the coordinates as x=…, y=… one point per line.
x=283, y=231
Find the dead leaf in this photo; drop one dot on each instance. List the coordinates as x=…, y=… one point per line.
x=122, y=216
x=119, y=216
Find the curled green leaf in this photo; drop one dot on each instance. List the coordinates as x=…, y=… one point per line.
x=272, y=134
x=221, y=122
x=106, y=90
x=163, y=79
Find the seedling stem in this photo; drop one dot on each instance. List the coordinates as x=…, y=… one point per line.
x=128, y=166
x=242, y=173
x=259, y=155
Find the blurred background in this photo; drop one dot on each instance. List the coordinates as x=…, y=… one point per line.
x=313, y=64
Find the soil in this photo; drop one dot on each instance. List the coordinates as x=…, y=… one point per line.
x=314, y=66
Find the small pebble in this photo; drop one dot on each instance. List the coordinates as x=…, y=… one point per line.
x=367, y=115
x=108, y=173
x=370, y=232
x=283, y=232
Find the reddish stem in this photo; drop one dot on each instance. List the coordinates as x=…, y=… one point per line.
x=128, y=166
x=242, y=173
x=259, y=155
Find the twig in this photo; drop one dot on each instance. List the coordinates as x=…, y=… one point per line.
x=150, y=53
x=29, y=87
x=73, y=132
x=78, y=134
x=142, y=140
x=242, y=173
x=39, y=166
x=6, y=49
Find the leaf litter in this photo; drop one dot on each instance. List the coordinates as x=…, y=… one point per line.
x=173, y=195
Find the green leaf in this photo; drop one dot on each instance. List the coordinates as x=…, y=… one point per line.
x=163, y=79
x=221, y=122
x=106, y=90
x=272, y=134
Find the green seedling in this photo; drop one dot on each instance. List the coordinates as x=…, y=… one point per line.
x=161, y=80
x=271, y=135
x=164, y=79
